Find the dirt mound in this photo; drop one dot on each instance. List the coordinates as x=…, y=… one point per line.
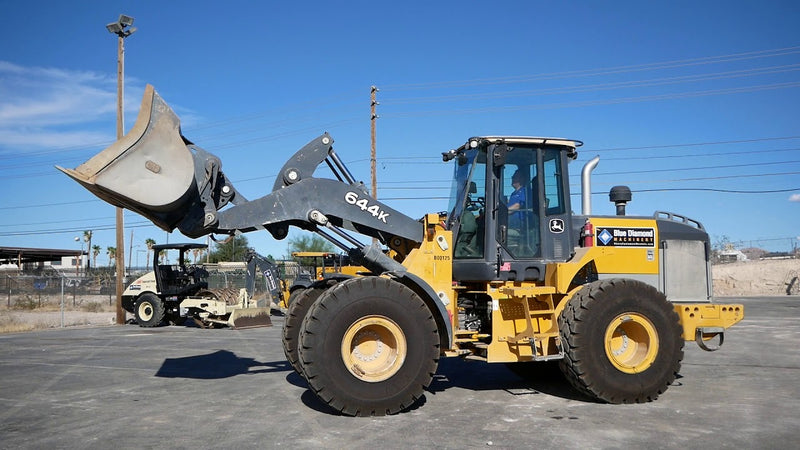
x=752, y=278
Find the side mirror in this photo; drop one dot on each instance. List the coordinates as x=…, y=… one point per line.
x=499, y=155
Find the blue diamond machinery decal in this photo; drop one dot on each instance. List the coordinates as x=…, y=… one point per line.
x=605, y=237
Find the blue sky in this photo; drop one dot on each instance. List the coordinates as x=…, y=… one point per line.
x=683, y=101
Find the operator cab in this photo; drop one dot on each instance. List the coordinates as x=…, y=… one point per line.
x=180, y=278
x=510, y=207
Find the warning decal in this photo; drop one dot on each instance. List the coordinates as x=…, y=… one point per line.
x=626, y=237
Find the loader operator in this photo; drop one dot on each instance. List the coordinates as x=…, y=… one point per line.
x=517, y=201
x=523, y=221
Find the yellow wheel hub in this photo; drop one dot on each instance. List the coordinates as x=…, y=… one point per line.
x=631, y=343
x=374, y=348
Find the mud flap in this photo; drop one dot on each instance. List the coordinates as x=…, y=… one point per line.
x=242, y=318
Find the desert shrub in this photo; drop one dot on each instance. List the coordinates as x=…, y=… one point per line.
x=93, y=307
x=10, y=324
x=26, y=302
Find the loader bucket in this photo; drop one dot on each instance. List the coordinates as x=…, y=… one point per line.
x=150, y=170
x=242, y=318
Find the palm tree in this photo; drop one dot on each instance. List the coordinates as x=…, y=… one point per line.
x=150, y=243
x=112, y=253
x=95, y=252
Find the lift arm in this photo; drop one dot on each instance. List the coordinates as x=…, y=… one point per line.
x=155, y=171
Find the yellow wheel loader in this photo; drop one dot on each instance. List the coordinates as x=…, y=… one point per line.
x=325, y=265
x=176, y=292
x=510, y=274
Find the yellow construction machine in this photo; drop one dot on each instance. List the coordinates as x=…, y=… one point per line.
x=326, y=266
x=508, y=275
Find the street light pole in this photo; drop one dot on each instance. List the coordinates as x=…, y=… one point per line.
x=122, y=28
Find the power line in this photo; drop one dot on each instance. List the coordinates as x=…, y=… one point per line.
x=724, y=191
x=693, y=144
x=72, y=230
x=722, y=177
x=84, y=220
x=48, y=204
x=612, y=101
x=682, y=169
x=602, y=71
x=599, y=87
x=701, y=155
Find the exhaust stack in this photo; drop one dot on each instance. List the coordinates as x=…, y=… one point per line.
x=586, y=185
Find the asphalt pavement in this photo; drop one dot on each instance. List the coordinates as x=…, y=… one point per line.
x=183, y=387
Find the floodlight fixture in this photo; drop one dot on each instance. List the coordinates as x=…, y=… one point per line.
x=120, y=27
x=125, y=21
x=114, y=27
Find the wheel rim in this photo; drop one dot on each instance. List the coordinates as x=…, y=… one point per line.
x=374, y=348
x=146, y=311
x=631, y=342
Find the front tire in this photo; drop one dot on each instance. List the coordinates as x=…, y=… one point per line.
x=622, y=341
x=148, y=310
x=369, y=346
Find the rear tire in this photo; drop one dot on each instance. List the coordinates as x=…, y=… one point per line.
x=294, y=294
x=298, y=309
x=622, y=341
x=148, y=310
x=370, y=346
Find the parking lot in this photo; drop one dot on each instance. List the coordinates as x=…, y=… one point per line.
x=186, y=387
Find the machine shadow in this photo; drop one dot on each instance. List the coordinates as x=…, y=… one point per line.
x=518, y=379
x=217, y=365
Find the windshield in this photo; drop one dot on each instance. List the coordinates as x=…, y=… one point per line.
x=463, y=179
x=468, y=204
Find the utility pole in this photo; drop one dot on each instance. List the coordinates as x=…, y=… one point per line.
x=373, y=103
x=122, y=28
x=373, y=119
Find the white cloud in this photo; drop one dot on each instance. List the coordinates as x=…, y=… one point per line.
x=44, y=107
x=794, y=198
x=38, y=97
x=51, y=109
x=54, y=138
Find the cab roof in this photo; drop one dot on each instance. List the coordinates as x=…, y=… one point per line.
x=528, y=140
x=476, y=141
x=187, y=246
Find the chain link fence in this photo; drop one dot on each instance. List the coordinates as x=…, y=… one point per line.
x=23, y=290
x=93, y=290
